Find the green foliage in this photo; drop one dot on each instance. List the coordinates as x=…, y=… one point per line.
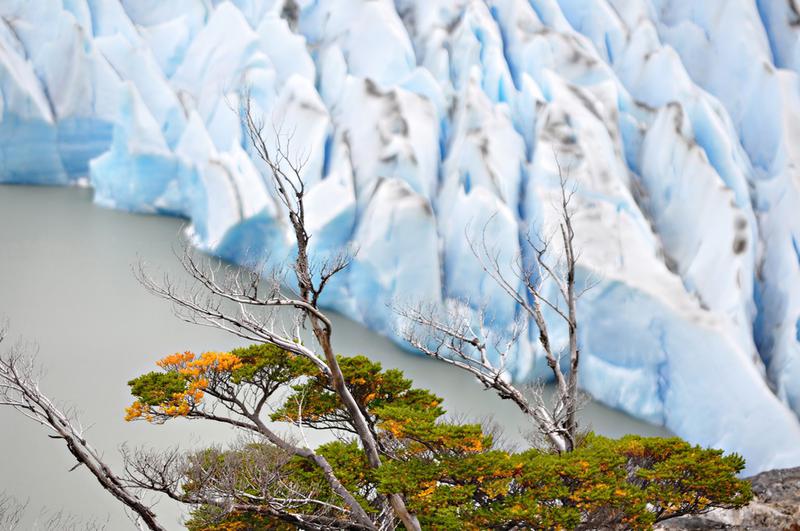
x=268, y=363
x=351, y=468
x=628, y=483
x=451, y=474
x=251, y=464
x=156, y=388
x=372, y=387
x=209, y=518
x=681, y=479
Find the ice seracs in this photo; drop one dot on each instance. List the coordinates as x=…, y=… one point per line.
x=425, y=124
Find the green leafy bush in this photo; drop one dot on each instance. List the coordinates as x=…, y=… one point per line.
x=629, y=483
x=451, y=474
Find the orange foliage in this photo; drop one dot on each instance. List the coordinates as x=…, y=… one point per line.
x=185, y=363
x=135, y=411
x=175, y=361
x=197, y=372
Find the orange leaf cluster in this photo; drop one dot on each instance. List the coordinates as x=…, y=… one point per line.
x=187, y=364
x=197, y=371
x=135, y=411
x=175, y=361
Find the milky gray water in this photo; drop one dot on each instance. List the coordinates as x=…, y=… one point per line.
x=66, y=283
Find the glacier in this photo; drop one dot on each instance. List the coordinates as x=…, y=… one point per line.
x=423, y=121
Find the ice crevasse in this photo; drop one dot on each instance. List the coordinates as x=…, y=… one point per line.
x=679, y=122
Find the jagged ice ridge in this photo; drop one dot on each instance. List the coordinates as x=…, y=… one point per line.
x=679, y=122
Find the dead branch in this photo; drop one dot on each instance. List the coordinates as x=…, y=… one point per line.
x=454, y=338
x=19, y=389
x=248, y=478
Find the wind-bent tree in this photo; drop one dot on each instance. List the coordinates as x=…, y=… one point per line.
x=239, y=302
x=454, y=338
x=450, y=475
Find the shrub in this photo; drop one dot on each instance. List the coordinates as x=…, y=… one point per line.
x=629, y=483
x=451, y=474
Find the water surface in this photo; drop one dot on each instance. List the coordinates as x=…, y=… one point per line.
x=66, y=283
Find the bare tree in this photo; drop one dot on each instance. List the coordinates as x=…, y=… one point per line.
x=19, y=389
x=455, y=337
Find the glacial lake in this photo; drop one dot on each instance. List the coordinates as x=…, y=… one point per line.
x=66, y=284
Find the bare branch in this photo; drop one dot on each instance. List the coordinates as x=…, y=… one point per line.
x=452, y=337
x=19, y=389
x=290, y=187
x=250, y=477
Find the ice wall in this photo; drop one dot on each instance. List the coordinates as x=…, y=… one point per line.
x=423, y=120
